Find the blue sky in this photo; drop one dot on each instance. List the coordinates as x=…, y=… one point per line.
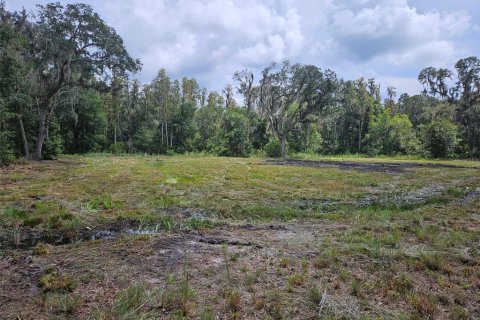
x=390, y=40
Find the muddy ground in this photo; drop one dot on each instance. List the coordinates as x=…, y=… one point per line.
x=387, y=167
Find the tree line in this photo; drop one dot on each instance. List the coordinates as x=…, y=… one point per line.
x=66, y=87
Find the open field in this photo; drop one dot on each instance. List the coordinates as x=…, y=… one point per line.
x=104, y=237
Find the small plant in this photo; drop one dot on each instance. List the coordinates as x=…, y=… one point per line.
x=321, y=262
x=283, y=263
x=432, y=262
x=179, y=297
x=314, y=296
x=274, y=304
x=459, y=313
x=227, y=265
x=54, y=282
x=304, y=265
x=233, y=301
x=423, y=305
x=41, y=249
x=66, y=303
x=130, y=302
x=105, y=202
x=207, y=314
x=15, y=218
x=355, y=291
x=296, y=280
x=403, y=283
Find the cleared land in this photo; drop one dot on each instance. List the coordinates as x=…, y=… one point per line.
x=103, y=237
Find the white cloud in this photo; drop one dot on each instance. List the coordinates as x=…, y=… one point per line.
x=394, y=26
x=210, y=39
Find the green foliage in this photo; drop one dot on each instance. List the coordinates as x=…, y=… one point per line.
x=130, y=302
x=144, y=139
x=53, y=144
x=236, y=140
x=183, y=127
x=55, y=282
x=392, y=134
x=84, y=122
x=273, y=148
x=118, y=148
x=441, y=137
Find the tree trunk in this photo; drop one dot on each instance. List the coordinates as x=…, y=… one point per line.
x=283, y=139
x=24, y=137
x=42, y=133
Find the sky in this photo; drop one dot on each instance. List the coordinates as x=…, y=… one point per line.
x=389, y=40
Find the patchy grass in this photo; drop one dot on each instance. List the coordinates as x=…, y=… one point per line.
x=285, y=241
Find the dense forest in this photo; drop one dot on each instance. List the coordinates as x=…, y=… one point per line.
x=67, y=86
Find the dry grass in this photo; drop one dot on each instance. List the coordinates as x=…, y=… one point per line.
x=286, y=242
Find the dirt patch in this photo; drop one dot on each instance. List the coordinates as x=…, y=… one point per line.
x=400, y=167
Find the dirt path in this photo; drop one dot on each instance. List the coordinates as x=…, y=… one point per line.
x=400, y=167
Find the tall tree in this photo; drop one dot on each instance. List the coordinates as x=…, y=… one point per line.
x=245, y=80
x=468, y=86
x=293, y=94
x=71, y=45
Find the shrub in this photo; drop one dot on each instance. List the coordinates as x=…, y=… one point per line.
x=440, y=137
x=55, y=282
x=273, y=148
x=392, y=134
x=118, y=148
x=236, y=141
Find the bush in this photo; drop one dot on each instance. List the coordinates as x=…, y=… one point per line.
x=392, y=134
x=236, y=140
x=53, y=143
x=6, y=153
x=440, y=137
x=273, y=148
x=118, y=148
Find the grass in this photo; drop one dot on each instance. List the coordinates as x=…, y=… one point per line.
x=300, y=242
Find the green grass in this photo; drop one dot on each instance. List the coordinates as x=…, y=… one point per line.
x=361, y=239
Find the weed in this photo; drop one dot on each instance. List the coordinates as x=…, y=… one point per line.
x=234, y=301
x=296, y=280
x=458, y=313
x=200, y=223
x=66, y=303
x=424, y=305
x=207, y=314
x=356, y=286
x=283, y=263
x=314, y=297
x=15, y=218
x=129, y=302
x=54, y=282
x=321, y=262
x=274, y=304
x=403, y=283
x=431, y=261
x=41, y=249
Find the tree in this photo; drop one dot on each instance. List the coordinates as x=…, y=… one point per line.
x=14, y=82
x=294, y=94
x=434, y=81
x=468, y=86
x=229, y=99
x=71, y=45
x=392, y=134
x=245, y=87
x=441, y=137
x=236, y=138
